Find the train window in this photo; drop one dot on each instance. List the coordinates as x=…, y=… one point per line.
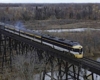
x=81, y=50
x=76, y=50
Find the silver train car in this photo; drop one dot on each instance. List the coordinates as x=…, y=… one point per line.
x=73, y=48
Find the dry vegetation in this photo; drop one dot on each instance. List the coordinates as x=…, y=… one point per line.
x=24, y=67
x=61, y=24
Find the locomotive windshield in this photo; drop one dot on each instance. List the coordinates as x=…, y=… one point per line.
x=77, y=50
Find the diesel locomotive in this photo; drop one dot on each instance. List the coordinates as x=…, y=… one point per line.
x=72, y=47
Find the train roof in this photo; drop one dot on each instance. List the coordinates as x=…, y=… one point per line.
x=68, y=42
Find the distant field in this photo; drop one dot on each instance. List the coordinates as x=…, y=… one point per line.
x=62, y=24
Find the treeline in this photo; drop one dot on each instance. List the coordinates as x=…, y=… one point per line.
x=13, y=12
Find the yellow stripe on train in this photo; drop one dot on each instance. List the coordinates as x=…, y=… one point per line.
x=34, y=35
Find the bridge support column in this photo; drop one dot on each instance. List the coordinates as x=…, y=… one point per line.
x=74, y=72
x=0, y=51
x=16, y=46
x=44, y=72
x=19, y=46
x=66, y=70
x=0, y=43
x=4, y=53
x=4, y=48
x=79, y=69
x=2, y=40
x=40, y=54
x=59, y=73
x=52, y=66
x=10, y=46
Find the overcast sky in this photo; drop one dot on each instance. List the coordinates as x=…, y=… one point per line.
x=49, y=1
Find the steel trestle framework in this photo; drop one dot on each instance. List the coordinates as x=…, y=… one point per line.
x=57, y=66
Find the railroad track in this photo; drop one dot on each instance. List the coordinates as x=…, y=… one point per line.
x=90, y=62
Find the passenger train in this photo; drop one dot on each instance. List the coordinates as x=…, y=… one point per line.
x=73, y=48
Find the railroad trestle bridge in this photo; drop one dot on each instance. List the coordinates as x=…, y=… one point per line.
x=65, y=67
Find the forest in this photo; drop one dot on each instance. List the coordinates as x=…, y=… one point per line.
x=13, y=12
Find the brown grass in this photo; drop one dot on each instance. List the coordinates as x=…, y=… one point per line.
x=62, y=24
